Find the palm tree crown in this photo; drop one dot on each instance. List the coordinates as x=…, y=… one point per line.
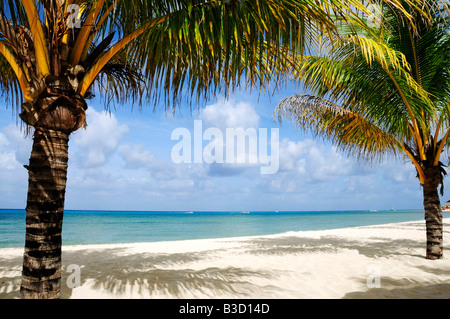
x=384, y=91
x=198, y=46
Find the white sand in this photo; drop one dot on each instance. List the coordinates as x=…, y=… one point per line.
x=384, y=261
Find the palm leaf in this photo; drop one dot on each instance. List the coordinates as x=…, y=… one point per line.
x=359, y=86
x=16, y=68
x=196, y=48
x=40, y=44
x=349, y=131
x=389, y=77
x=199, y=48
x=9, y=85
x=120, y=80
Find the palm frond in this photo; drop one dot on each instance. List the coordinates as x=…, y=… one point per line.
x=120, y=80
x=39, y=40
x=8, y=55
x=200, y=48
x=195, y=49
x=9, y=85
x=348, y=79
x=349, y=131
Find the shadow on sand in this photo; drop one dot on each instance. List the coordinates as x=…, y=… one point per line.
x=161, y=275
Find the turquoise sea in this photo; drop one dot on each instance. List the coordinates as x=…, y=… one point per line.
x=102, y=227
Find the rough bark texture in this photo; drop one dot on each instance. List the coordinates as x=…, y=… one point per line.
x=433, y=214
x=55, y=113
x=41, y=276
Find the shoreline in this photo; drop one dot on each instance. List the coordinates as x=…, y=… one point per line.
x=232, y=237
x=377, y=261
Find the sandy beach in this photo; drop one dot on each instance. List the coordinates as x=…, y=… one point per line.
x=382, y=261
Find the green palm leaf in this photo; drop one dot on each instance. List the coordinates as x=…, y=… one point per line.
x=349, y=131
x=385, y=91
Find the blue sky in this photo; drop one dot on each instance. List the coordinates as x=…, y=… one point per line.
x=122, y=161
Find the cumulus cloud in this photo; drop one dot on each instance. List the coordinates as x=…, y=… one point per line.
x=15, y=147
x=14, y=153
x=112, y=166
x=136, y=156
x=230, y=114
x=100, y=139
x=233, y=139
x=399, y=172
x=314, y=162
x=7, y=156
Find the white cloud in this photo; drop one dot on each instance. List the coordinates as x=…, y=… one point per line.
x=238, y=144
x=100, y=139
x=8, y=160
x=229, y=114
x=111, y=166
x=314, y=162
x=14, y=153
x=15, y=148
x=292, y=154
x=136, y=156
x=397, y=172
x=162, y=175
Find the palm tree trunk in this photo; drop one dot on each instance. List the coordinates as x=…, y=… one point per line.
x=41, y=275
x=433, y=214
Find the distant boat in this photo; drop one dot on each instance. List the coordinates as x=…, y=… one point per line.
x=446, y=206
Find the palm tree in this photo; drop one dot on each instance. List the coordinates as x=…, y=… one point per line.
x=382, y=91
x=56, y=53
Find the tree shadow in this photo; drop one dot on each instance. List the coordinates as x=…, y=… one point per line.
x=149, y=275
x=114, y=271
x=11, y=280
x=376, y=247
x=391, y=288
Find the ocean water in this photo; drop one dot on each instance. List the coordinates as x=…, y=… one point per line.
x=103, y=227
